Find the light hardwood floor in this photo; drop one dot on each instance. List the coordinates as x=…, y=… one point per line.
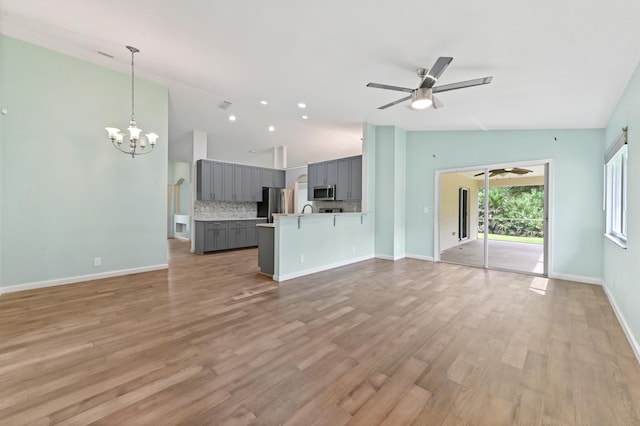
x=212, y=342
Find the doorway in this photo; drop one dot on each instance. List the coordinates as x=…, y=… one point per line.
x=494, y=216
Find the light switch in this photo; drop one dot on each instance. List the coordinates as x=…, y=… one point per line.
x=426, y=210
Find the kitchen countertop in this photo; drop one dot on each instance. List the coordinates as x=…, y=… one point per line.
x=278, y=215
x=266, y=225
x=224, y=219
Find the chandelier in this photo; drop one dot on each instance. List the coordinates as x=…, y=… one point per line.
x=137, y=143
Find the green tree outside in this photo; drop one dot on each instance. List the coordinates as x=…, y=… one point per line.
x=513, y=210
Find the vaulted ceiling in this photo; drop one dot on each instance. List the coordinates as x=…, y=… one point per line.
x=556, y=64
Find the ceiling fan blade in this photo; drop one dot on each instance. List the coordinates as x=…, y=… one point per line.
x=441, y=64
x=520, y=171
x=395, y=103
x=436, y=103
x=388, y=87
x=462, y=84
x=479, y=174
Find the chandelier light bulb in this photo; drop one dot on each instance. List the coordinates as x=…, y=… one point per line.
x=152, y=138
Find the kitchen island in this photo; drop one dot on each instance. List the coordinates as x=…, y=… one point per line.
x=307, y=243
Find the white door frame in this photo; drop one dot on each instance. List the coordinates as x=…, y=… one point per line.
x=548, y=206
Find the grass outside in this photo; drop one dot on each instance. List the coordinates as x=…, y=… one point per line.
x=496, y=237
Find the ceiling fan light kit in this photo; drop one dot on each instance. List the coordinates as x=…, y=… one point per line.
x=422, y=96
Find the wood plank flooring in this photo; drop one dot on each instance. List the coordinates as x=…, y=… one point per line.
x=213, y=342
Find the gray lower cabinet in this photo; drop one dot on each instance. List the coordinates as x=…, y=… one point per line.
x=238, y=234
x=226, y=234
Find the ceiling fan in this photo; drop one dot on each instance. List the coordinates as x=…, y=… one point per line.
x=498, y=172
x=422, y=96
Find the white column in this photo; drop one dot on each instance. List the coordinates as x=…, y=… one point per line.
x=199, y=153
x=280, y=157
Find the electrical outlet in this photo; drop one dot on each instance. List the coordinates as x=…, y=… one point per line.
x=302, y=258
x=354, y=249
x=426, y=210
x=97, y=261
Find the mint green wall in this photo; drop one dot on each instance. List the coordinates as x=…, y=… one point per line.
x=67, y=195
x=3, y=83
x=577, y=181
x=390, y=193
x=620, y=265
x=321, y=243
x=400, y=192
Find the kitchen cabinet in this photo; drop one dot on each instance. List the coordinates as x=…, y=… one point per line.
x=267, y=178
x=279, y=179
x=226, y=234
x=209, y=178
x=227, y=182
x=213, y=236
x=238, y=234
x=345, y=174
x=272, y=178
x=252, y=183
x=218, y=181
x=349, y=184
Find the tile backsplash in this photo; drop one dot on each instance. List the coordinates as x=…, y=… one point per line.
x=224, y=210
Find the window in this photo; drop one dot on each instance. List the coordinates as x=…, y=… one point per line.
x=616, y=190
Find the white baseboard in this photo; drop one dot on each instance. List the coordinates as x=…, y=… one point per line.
x=625, y=327
x=387, y=257
x=577, y=278
x=80, y=278
x=420, y=257
x=309, y=271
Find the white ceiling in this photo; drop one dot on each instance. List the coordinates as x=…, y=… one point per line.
x=556, y=64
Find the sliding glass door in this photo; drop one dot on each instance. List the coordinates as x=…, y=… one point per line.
x=494, y=217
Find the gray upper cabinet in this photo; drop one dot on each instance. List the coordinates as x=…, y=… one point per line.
x=227, y=182
x=344, y=179
x=280, y=177
x=204, y=181
x=332, y=173
x=267, y=178
x=312, y=179
x=209, y=178
x=355, y=193
x=251, y=183
x=344, y=173
x=217, y=181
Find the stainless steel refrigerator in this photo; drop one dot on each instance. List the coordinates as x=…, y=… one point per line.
x=275, y=200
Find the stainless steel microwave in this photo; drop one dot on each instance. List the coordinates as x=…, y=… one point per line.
x=325, y=192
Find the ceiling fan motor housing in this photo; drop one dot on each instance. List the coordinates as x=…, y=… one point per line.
x=421, y=98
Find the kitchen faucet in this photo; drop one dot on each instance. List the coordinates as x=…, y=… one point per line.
x=305, y=206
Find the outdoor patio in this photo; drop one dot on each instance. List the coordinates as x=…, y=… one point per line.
x=521, y=257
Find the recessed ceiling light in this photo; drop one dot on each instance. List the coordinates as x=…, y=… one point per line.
x=302, y=105
x=304, y=117
x=232, y=117
x=271, y=128
x=264, y=102
x=252, y=151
